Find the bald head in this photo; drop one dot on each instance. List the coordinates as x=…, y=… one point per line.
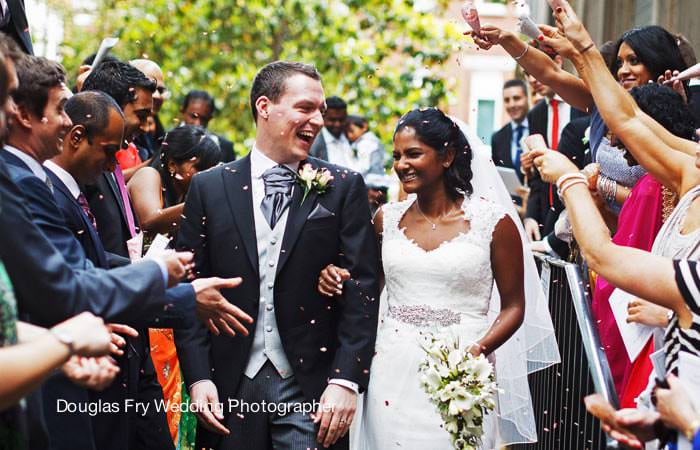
x=154, y=72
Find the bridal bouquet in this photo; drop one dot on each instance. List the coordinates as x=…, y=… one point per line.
x=462, y=386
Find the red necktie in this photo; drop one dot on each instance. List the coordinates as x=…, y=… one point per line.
x=554, y=141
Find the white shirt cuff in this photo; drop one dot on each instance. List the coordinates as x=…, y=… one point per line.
x=345, y=383
x=197, y=382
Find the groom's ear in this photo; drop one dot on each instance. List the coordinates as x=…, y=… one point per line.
x=262, y=106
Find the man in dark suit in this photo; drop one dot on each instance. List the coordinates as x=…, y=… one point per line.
x=576, y=149
x=198, y=108
x=48, y=289
x=108, y=197
x=13, y=22
x=548, y=118
x=90, y=147
x=39, y=121
x=250, y=218
x=505, y=143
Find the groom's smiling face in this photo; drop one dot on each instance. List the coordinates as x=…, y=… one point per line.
x=295, y=119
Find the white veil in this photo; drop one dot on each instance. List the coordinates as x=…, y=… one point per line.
x=533, y=347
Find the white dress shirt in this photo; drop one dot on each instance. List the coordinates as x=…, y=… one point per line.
x=564, y=117
x=65, y=177
x=339, y=150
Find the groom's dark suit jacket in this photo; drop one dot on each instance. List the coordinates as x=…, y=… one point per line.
x=323, y=338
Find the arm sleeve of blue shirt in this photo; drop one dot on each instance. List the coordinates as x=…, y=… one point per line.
x=696, y=441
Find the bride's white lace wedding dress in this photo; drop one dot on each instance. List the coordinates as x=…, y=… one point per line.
x=446, y=291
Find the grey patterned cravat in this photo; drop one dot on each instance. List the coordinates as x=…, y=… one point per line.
x=278, y=193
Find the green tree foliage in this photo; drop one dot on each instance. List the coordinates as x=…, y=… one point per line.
x=383, y=57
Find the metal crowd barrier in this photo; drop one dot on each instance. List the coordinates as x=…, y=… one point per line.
x=558, y=392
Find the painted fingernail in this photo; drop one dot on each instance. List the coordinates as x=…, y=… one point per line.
x=540, y=37
x=559, y=9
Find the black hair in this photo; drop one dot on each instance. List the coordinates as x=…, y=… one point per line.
x=358, y=121
x=516, y=82
x=118, y=80
x=37, y=76
x=436, y=130
x=106, y=58
x=655, y=47
x=91, y=109
x=270, y=81
x=667, y=107
x=335, y=102
x=197, y=94
x=179, y=145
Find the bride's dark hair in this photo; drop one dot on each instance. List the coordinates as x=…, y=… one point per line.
x=436, y=130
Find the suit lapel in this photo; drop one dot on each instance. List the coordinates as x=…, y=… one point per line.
x=96, y=242
x=298, y=212
x=112, y=183
x=237, y=184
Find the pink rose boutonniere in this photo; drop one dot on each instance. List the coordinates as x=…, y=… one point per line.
x=314, y=180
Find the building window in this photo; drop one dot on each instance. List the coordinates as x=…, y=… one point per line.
x=485, y=118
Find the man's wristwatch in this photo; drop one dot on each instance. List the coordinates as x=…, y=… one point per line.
x=65, y=339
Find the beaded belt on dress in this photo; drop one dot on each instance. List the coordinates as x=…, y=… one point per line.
x=424, y=315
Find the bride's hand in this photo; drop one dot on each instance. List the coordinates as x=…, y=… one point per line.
x=330, y=282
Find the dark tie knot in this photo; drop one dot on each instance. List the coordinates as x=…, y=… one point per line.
x=278, y=180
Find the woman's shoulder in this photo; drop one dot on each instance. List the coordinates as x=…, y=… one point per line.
x=145, y=176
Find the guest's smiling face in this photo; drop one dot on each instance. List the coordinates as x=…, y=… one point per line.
x=631, y=72
x=51, y=128
x=417, y=164
x=136, y=113
x=293, y=121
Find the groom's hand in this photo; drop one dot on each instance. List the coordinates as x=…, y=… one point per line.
x=335, y=413
x=208, y=409
x=215, y=311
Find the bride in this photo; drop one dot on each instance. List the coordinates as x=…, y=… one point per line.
x=442, y=250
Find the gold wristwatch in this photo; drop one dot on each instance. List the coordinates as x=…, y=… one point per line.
x=692, y=429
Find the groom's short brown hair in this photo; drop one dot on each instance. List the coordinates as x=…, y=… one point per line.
x=270, y=80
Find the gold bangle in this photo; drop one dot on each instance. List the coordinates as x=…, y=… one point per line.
x=692, y=429
x=588, y=47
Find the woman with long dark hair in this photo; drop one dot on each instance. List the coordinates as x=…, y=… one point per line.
x=158, y=192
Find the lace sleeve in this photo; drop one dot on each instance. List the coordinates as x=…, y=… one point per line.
x=392, y=213
x=484, y=215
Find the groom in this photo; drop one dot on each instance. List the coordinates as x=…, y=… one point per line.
x=250, y=218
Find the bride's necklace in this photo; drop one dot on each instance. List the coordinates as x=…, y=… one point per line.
x=433, y=225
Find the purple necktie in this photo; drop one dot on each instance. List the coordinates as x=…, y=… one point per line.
x=119, y=176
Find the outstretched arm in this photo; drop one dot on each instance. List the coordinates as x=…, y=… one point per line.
x=640, y=273
x=664, y=155
x=539, y=65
